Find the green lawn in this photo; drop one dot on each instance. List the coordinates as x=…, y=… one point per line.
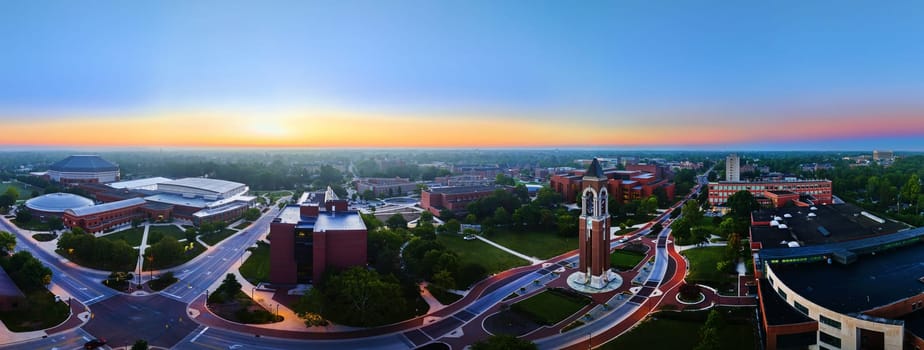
x=44, y=237
x=256, y=267
x=35, y=225
x=42, y=312
x=540, y=244
x=550, y=306
x=214, y=238
x=156, y=233
x=243, y=225
x=187, y=256
x=683, y=329
x=703, y=266
x=162, y=283
x=481, y=253
x=132, y=236
x=25, y=190
x=625, y=259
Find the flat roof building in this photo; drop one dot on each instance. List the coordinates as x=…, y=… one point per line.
x=836, y=277
x=313, y=236
x=454, y=198
x=815, y=192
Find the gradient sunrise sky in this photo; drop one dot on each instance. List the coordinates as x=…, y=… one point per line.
x=626, y=74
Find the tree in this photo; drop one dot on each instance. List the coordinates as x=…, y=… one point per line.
x=55, y=223
x=360, y=297
x=12, y=192
x=229, y=285
x=709, y=333
x=368, y=195
x=911, y=189
x=446, y=214
x=742, y=203
x=452, y=226
x=501, y=217
x=191, y=234
x=7, y=201
x=691, y=212
x=7, y=242
x=680, y=228
x=396, y=221
x=470, y=273
x=505, y=180
x=23, y=215
x=733, y=248
x=165, y=252
x=26, y=271
x=425, y=217
x=372, y=223
x=251, y=214
x=504, y=342
x=443, y=279
x=140, y=345
x=661, y=194
x=727, y=227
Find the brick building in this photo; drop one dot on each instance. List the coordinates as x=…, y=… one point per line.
x=453, y=198
x=106, y=216
x=836, y=277
x=379, y=186
x=314, y=236
x=195, y=200
x=637, y=182
x=809, y=191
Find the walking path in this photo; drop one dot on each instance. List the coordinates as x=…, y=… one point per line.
x=429, y=298
x=139, y=267
x=532, y=260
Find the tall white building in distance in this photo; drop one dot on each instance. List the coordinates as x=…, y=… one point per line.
x=732, y=168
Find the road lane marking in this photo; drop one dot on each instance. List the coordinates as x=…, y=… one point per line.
x=172, y=295
x=193, y=340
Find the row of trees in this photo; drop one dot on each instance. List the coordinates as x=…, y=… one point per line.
x=24, y=269
x=104, y=254
x=371, y=168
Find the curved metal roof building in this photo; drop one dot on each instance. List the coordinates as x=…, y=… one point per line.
x=57, y=203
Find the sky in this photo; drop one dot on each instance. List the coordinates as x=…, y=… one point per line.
x=815, y=75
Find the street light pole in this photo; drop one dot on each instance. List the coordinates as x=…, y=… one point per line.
x=251, y=292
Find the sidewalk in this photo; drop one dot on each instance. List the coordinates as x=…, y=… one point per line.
x=531, y=260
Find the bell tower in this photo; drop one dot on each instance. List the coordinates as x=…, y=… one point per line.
x=594, y=224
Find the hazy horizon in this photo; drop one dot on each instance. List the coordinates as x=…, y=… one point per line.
x=475, y=74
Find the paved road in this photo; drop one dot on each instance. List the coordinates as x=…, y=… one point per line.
x=199, y=275
x=82, y=284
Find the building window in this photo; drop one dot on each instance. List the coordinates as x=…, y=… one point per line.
x=782, y=293
x=828, y=321
x=829, y=339
x=800, y=307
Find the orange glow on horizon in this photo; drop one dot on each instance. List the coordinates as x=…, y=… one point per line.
x=336, y=129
